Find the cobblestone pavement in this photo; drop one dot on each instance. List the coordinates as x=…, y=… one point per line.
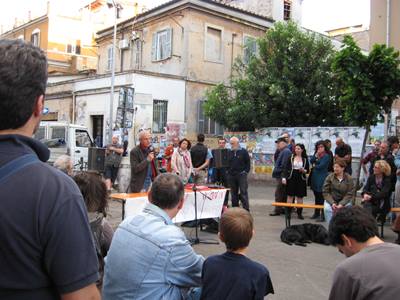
x=297, y=272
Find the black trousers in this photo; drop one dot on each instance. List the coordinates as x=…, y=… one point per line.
x=280, y=195
x=319, y=200
x=238, y=183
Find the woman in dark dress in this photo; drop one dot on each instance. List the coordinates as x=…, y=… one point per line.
x=294, y=176
x=377, y=191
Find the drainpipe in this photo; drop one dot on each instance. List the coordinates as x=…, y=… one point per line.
x=232, y=45
x=73, y=107
x=387, y=116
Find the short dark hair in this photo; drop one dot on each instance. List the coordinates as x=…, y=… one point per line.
x=200, y=138
x=23, y=78
x=188, y=142
x=353, y=222
x=321, y=142
x=236, y=228
x=166, y=191
x=94, y=191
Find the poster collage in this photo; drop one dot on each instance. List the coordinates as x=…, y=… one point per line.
x=261, y=143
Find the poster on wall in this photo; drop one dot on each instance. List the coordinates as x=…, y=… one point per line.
x=355, y=140
x=336, y=132
x=263, y=163
x=302, y=135
x=266, y=138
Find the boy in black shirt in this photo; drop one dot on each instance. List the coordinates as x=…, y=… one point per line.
x=232, y=275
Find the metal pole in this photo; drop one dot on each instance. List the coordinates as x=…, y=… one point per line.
x=112, y=75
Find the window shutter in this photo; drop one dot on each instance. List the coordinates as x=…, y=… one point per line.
x=168, y=43
x=154, y=48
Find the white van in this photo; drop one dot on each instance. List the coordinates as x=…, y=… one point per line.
x=64, y=138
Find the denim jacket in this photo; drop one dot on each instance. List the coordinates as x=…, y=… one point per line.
x=150, y=258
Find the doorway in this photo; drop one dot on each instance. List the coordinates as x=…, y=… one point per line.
x=97, y=125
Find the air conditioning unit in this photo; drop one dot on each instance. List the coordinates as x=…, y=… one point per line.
x=124, y=44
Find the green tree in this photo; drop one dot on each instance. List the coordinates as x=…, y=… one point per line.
x=288, y=84
x=368, y=84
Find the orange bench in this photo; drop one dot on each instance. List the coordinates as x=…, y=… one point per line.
x=288, y=206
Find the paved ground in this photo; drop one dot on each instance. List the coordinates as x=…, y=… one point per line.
x=297, y=272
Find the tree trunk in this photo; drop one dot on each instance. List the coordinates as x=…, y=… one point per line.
x=358, y=173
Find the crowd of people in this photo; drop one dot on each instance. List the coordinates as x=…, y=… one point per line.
x=55, y=241
x=329, y=177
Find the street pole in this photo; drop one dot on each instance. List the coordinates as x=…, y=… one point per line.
x=110, y=133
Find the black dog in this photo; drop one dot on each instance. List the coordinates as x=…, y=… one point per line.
x=305, y=233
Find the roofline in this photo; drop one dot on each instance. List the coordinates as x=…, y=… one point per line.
x=344, y=27
x=205, y=4
x=31, y=22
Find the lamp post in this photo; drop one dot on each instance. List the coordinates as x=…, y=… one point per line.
x=111, y=3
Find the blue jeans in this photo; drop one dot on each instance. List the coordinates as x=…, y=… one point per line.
x=328, y=211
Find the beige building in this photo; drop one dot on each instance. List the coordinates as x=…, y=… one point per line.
x=359, y=33
x=193, y=40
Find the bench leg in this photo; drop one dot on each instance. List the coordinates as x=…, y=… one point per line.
x=287, y=216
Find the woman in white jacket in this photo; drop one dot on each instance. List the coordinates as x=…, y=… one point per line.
x=181, y=161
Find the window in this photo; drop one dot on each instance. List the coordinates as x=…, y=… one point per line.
x=160, y=109
x=162, y=45
x=74, y=48
x=109, y=57
x=205, y=124
x=213, y=44
x=250, y=48
x=82, y=138
x=287, y=7
x=35, y=37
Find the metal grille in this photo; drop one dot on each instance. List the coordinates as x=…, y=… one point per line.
x=205, y=124
x=160, y=110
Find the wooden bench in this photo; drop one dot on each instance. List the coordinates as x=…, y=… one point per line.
x=288, y=206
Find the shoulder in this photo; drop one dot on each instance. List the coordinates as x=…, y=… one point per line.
x=348, y=177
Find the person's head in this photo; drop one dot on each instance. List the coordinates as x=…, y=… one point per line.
x=383, y=149
x=64, y=163
x=377, y=145
x=23, y=78
x=221, y=143
x=286, y=136
x=234, y=141
x=167, y=192
x=185, y=144
x=94, y=191
x=338, y=167
x=115, y=139
x=236, y=228
x=300, y=150
x=175, y=141
x=320, y=147
x=144, y=138
x=339, y=142
x=200, y=138
x=281, y=143
x=350, y=227
x=393, y=142
x=328, y=144
x=381, y=167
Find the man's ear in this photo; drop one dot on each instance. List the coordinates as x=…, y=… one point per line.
x=39, y=106
x=180, y=203
x=221, y=237
x=346, y=241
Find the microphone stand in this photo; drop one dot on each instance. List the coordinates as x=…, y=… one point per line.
x=196, y=240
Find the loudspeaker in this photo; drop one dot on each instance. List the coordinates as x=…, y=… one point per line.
x=96, y=159
x=220, y=157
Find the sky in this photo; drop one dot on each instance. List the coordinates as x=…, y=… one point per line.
x=318, y=15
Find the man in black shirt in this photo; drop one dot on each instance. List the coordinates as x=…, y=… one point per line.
x=200, y=160
x=343, y=152
x=46, y=246
x=239, y=167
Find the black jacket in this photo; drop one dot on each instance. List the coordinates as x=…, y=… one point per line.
x=380, y=196
x=288, y=170
x=239, y=161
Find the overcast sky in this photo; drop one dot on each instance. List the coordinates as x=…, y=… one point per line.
x=318, y=15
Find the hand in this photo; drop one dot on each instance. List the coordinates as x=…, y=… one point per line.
x=339, y=206
x=196, y=170
x=150, y=156
x=334, y=206
x=284, y=181
x=367, y=197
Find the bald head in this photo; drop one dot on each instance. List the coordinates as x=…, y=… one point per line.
x=339, y=141
x=234, y=141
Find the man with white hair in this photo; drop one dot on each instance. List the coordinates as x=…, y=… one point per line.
x=64, y=164
x=113, y=160
x=239, y=167
x=143, y=164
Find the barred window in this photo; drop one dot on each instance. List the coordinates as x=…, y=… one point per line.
x=287, y=8
x=160, y=111
x=205, y=124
